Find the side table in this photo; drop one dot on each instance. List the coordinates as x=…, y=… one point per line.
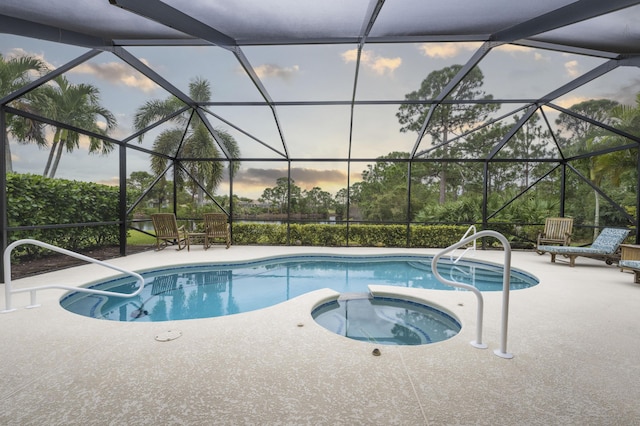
x=191, y=235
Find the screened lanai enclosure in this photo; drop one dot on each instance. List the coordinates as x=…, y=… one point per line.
x=336, y=115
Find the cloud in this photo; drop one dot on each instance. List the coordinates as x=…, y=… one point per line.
x=446, y=50
x=567, y=102
x=515, y=49
x=117, y=73
x=572, y=68
x=625, y=93
x=110, y=181
x=253, y=181
x=19, y=52
x=304, y=177
x=540, y=57
x=113, y=72
x=272, y=70
x=378, y=64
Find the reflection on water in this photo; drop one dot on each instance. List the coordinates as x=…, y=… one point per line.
x=213, y=290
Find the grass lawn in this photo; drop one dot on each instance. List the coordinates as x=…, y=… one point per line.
x=137, y=238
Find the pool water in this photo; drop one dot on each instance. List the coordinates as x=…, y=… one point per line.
x=211, y=290
x=386, y=321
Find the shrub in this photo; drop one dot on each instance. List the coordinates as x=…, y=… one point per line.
x=34, y=200
x=438, y=236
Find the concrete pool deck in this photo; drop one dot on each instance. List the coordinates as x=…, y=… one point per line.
x=575, y=338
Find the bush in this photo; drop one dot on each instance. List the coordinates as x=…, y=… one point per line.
x=34, y=200
x=437, y=236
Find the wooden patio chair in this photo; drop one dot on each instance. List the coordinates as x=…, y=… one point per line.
x=168, y=231
x=557, y=230
x=216, y=227
x=606, y=247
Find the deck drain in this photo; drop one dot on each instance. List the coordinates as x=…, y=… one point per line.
x=167, y=336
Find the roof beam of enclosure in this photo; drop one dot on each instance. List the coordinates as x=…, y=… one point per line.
x=582, y=80
x=565, y=49
x=152, y=75
x=425, y=38
x=244, y=62
x=230, y=124
x=570, y=14
x=369, y=20
x=171, y=17
x=473, y=130
x=605, y=151
x=141, y=132
x=553, y=135
x=514, y=129
x=31, y=29
x=590, y=120
x=466, y=69
x=561, y=17
x=214, y=133
x=61, y=125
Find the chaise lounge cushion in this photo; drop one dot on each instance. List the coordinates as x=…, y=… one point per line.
x=631, y=264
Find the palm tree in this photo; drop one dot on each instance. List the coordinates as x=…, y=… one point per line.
x=196, y=142
x=79, y=106
x=14, y=74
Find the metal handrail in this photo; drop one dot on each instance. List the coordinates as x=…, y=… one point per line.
x=471, y=228
x=506, y=278
x=7, y=275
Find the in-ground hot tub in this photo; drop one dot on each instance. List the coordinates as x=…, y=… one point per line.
x=386, y=320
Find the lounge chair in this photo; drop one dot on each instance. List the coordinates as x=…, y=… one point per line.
x=557, y=230
x=167, y=231
x=215, y=228
x=606, y=247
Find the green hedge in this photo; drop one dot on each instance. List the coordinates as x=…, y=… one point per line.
x=437, y=236
x=34, y=200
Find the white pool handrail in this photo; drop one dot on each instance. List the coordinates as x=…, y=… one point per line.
x=472, y=248
x=7, y=276
x=506, y=278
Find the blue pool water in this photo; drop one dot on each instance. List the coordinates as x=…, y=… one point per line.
x=210, y=290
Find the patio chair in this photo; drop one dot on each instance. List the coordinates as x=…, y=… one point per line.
x=215, y=228
x=557, y=230
x=606, y=247
x=630, y=260
x=167, y=231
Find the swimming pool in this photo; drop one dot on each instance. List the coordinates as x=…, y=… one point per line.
x=218, y=289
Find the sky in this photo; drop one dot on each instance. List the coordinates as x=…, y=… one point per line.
x=301, y=73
